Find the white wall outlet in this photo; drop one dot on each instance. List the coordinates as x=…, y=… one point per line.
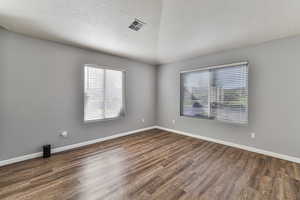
x=173, y=121
x=253, y=135
x=143, y=120
x=64, y=134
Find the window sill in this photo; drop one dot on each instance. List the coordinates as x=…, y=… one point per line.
x=102, y=120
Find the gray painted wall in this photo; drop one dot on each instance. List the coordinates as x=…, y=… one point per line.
x=41, y=94
x=274, y=97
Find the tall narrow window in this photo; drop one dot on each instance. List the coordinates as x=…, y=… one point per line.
x=103, y=93
x=219, y=93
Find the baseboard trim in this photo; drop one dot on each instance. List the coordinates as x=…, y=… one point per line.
x=72, y=146
x=240, y=146
x=81, y=144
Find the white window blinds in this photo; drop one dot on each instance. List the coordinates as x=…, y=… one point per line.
x=219, y=93
x=103, y=93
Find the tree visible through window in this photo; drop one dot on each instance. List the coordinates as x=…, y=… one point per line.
x=103, y=93
x=219, y=93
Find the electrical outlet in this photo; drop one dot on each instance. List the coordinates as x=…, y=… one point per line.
x=64, y=134
x=253, y=135
x=173, y=121
x=143, y=120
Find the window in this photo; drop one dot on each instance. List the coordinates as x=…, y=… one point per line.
x=103, y=93
x=218, y=93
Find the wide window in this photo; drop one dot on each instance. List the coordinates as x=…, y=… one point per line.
x=103, y=93
x=219, y=92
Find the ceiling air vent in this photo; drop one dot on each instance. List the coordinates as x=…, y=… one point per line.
x=136, y=25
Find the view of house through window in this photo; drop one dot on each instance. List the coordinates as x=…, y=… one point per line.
x=103, y=93
x=219, y=93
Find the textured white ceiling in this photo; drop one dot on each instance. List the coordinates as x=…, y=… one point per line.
x=96, y=24
x=175, y=29
x=200, y=27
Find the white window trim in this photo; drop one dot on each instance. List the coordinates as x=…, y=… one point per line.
x=216, y=66
x=123, y=92
x=195, y=69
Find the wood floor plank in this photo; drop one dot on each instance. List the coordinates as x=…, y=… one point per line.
x=154, y=165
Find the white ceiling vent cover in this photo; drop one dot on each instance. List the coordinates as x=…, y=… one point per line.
x=136, y=25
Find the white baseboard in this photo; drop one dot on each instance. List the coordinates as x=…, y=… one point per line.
x=72, y=146
x=240, y=146
x=20, y=158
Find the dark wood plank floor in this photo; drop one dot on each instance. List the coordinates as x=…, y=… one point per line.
x=153, y=165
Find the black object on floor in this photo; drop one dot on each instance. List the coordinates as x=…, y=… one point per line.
x=46, y=151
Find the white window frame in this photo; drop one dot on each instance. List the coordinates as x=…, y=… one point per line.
x=194, y=69
x=105, y=67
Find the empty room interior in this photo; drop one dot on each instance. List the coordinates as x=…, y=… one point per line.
x=149, y=100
